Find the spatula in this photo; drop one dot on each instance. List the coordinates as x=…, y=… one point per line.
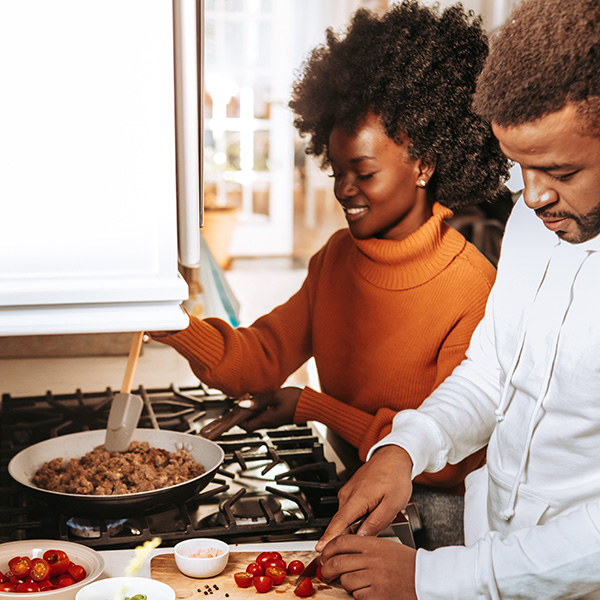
x=126, y=408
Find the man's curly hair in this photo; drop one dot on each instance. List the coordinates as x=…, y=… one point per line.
x=546, y=56
x=416, y=69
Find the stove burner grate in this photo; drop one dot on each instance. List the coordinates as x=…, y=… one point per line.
x=274, y=485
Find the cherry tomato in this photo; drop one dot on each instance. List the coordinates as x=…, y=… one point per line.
x=305, y=588
x=28, y=586
x=58, y=560
x=77, y=572
x=263, y=584
x=319, y=573
x=6, y=586
x=275, y=562
x=276, y=574
x=40, y=569
x=255, y=569
x=295, y=567
x=65, y=580
x=243, y=579
x=46, y=585
x=20, y=566
x=263, y=557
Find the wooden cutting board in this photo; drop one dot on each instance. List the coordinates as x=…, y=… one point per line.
x=163, y=568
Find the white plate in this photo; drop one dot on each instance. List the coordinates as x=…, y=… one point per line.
x=117, y=588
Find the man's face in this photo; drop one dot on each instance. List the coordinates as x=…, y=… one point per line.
x=561, y=172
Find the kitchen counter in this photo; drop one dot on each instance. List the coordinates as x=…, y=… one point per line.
x=116, y=560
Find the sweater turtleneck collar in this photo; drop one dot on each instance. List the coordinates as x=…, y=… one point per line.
x=412, y=261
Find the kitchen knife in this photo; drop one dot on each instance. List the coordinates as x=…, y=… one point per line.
x=311, y=569
x=126, y=408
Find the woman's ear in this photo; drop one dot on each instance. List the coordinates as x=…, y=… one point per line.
x=426, y=169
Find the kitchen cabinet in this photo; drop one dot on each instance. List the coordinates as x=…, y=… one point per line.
x=89, y=165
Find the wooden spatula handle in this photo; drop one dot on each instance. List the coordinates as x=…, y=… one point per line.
x=134, y=353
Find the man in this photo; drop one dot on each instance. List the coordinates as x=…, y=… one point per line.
x=530, y=386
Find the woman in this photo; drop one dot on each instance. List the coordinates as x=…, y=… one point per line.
x=389, y=304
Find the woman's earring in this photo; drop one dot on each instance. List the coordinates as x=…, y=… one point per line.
x=421, y=183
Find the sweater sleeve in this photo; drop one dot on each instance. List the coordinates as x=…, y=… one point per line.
x=362, y=430
x=251, y=359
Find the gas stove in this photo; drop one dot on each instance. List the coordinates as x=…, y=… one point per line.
x=274, y=484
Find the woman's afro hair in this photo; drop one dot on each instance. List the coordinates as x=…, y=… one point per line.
x=416, y=69
x=547, y=55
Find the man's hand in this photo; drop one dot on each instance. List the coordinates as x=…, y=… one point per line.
x=371, y=567
x=380, y=489
x=276, y=408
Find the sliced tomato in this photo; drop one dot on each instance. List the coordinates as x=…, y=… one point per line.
x=58, y=560
x=263, y=584
x=46, y=585
x=77, y=572
x=20, y=566
x=305, y=588
x=40, y=569
x=243, y=579
x=255, y=569
x=319, y=573
x=28, y=586
x=295, y=567
x=53, y=556
x=65, y=580
x=276, y=574
x=7, y=586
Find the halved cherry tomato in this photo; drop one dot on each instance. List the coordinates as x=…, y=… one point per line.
x=305, y=588
x=295, y=567
x=65, y=580
x=263, y=557
x=77, y=572
x=58, y=560
x=243, y=579
x=255, y=569
x=276, y=574
x=263, y=584
x=7, y=586
x=40, y=569
x=275, y=562
x=319, y=576
x=46, y=585
x=28, y=586
x=20, y=566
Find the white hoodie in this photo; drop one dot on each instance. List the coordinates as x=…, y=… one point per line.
x=530, y=388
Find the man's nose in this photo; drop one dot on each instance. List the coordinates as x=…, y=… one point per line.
x=538, y=191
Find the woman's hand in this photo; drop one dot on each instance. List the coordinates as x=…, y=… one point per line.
x=371, y=567
x=380, y=489
x=275, y=408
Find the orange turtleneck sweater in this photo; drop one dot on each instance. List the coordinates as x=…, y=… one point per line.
x=386, y=322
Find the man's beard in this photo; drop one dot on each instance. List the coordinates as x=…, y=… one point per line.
x=588, y=225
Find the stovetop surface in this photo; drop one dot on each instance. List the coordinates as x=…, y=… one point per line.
x=274, y=484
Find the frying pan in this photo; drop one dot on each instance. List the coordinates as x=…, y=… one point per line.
x=24, y=465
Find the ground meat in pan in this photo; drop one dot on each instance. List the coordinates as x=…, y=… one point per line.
x=139, y=469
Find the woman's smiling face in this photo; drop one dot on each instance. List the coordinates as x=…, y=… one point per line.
x=379, y=186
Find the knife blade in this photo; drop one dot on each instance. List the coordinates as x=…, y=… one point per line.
x=311, y=569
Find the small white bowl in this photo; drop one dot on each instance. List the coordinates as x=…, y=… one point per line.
x=193, y=566
x=89, y=559
x=117, y=588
